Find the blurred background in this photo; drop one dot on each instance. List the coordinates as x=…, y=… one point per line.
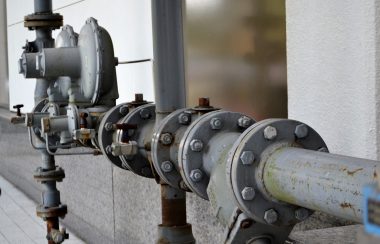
x=236, y=55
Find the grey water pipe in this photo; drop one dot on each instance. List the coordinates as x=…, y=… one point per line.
x=320, y=181
x=170, y=95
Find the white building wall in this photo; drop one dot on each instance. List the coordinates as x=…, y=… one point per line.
x=333, y=71
x=3, y=56
x=127, y=21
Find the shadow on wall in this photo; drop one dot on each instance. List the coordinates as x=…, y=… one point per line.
x=238, y=61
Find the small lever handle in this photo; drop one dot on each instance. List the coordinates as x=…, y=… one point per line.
x=18, y=107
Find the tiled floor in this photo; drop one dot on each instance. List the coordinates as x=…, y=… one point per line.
x=18, y=221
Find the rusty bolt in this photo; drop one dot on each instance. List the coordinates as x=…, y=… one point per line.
x=167, y=166
x=270, y=133
x=139, y=97
x=108, y=126
x=184, y=118
x=301, y=131
x=247, y=157
x=244, y=122
x=196, y=145
x=166, y=139
x=301, y=214
x=204, y=102
x=216, y=123
x=248, y=193
x=196, y=175
x=145, y=114
x=108, y=149
x=246, y=223
x=124, y=110
x=271, y=216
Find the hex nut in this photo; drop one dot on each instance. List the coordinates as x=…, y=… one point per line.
x=301, y=214
x=145, y=113
x=301, y=131
x=124, y=110
x=167, y=166
x=166, y=138
x=247, y=158
x=270, y=132
x=196, y=175
x=108, y=149
x=216, y=123
x=248, y=193
x=108, y=126
x=196, y=145
x=184, y=118
x=245, y=122
x=271, y=216
x=323, y=149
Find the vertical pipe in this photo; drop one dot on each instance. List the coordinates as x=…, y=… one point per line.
x=170, y=95
x=320, y=181
x=168, y=60
x=43, y=6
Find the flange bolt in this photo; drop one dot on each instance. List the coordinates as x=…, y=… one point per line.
x=124, y=110
x=245, y=122
x=184, y=118
x=270, y=132
x=248, y=193
x=166, y=139
x=167, y=166
x=145, y=114
x=216, y=123
x=247, y=158
x=196, y=145
x=108, y=126
x=271, y=216
x=301, y=131
x=196, y=175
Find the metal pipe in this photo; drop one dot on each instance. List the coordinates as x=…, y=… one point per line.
x=43, y=6
x=320, y=181
x=168, y=60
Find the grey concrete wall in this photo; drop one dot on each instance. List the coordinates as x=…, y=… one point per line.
x=105, y=204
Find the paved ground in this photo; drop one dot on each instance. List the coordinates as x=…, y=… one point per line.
x=18, y=221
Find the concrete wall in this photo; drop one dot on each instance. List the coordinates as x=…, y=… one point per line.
x=333, y=71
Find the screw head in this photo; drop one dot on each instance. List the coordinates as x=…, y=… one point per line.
x=196, y=175
x=108, y=126
x=271, y=216
x=145, y=113
x=184, y=118
x=124, y=110
x=270, y=132
x=108, y=149
x=245, y=122
x=216, y=123
x=248, y=193
x=196, y=145
x=166, y=139
x=301, y=214
x=301, y=131
x=167, y=166
x=247, y=157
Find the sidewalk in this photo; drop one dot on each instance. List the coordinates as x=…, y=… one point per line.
x=18, y=221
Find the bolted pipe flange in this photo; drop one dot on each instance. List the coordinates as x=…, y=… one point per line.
x=105, y=134
x=260, y=140
x=174, y=124
x=142, y=119
x=216, y=123
x=245, y=122
x=201, y=143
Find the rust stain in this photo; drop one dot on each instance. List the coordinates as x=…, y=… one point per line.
x=352, y=173
x=375, y=174
x=345, y=205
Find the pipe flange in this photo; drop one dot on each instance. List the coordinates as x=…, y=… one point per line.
x=48, y=20
x=50, y=175
x=245, y=179
x=143, y=119
x=106, y=135
x=195, y=144
x=49, y=212
x=165, y=153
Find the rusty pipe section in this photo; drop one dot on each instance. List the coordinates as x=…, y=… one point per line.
x=320, y=181
x=173, y=206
